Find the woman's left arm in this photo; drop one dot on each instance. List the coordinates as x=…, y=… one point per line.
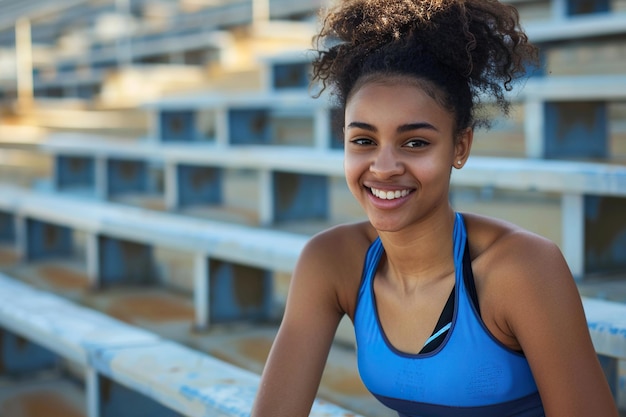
x=544, y=312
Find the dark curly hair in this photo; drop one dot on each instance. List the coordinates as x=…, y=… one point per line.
x=463, y=50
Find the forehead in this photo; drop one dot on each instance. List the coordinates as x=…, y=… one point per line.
x=401, y=99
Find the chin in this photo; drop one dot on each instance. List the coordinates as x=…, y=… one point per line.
x=387, y=225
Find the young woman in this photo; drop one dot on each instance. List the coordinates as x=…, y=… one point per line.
x=454, y=314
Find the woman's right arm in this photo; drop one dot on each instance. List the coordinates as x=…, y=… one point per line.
x=296, y=361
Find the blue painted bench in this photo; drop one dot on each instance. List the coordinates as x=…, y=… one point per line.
x=589, y=192
x=245, y=118
x=119, y=244
x=567, y=117
x=127, y=371
x=607, y=325
x=144, y=372
x=561, y=113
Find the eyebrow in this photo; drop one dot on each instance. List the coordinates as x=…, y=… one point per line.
x=401, y=129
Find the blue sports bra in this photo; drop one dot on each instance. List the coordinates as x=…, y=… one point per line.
x=469, y=374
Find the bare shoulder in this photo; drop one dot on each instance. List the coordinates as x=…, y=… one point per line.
x=334, y=259
x=516, y=270
x=341, y=240
x=499, y=247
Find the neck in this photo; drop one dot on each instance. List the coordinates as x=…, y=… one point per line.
x=422, y=254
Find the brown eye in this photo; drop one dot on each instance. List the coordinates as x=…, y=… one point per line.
x=416, y=143
x=362, y=141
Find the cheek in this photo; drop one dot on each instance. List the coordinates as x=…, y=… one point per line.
x=352, y=168
x=432, y=170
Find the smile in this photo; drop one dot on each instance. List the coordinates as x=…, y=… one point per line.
x=390, y=195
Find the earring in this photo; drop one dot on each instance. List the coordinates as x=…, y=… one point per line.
x=460, y=162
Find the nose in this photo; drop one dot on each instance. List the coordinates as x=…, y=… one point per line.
x=386, y=163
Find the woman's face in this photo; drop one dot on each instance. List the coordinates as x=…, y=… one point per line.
x=399, y=151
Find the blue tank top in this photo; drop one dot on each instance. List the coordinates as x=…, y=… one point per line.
x=469, y=374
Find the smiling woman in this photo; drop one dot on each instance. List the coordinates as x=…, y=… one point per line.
x=455, y=314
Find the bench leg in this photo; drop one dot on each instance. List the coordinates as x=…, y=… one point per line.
x=74, y=172
x=124, y=262
x=249, y=126
x=238, y=292
x=116, y=400
x=201, y=292
x=92, y=392
x=125, y=176
x=92, y=250
x=576, y=130
x=198, y=185
x=44, y=240
x=7, y=227
x=300, y=196
x=610, y=366
x=605, y=236
x=586, y=7
x=573, y=232
x=176, y=126
x=19, y=355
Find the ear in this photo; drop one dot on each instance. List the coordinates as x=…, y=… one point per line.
x=462, y=147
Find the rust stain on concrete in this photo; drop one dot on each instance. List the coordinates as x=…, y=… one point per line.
x=63, y=278
x=8, y=258
x=255, y=348
x=247, y=352
x=39, y=404
x=150, y=307
x=218, y=354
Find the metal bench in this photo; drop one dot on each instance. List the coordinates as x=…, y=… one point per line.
x=588, y=191
x=607, y=324
x=119, y=243
x=127, y=371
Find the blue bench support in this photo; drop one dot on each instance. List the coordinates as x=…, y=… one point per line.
x=176, y=126
x=606, y=321
x=605, y=236
x=74, y=172
x=46, y=240
x=88, y=91
x=334, y=128
x=238, y=292
x=290, y=75
x=19, y=355
x=593, y=233
x=567, y=117
x=198, y=185
x=249, y=126
x=127, y=176
x=576, y=130
x=610, y=366
x=124, y=262
x=585, y=7
x=116, y=400
x=7, y=227
x=129, y=371
x=299, y=196
x=286, y=71
x=243, y=119
x=562, y=9
x=229, y=292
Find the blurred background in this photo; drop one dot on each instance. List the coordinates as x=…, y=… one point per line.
x=148, y=146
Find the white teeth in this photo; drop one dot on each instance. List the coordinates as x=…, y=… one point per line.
x=389, y=195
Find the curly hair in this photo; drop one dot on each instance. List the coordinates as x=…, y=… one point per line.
x=465, y=49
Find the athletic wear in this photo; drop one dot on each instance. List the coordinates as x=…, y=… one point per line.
x=469, y=374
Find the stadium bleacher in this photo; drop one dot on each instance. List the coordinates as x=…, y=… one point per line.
x=119, y=200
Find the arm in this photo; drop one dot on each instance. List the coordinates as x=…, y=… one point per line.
x=546, y=316
x=296, y=361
